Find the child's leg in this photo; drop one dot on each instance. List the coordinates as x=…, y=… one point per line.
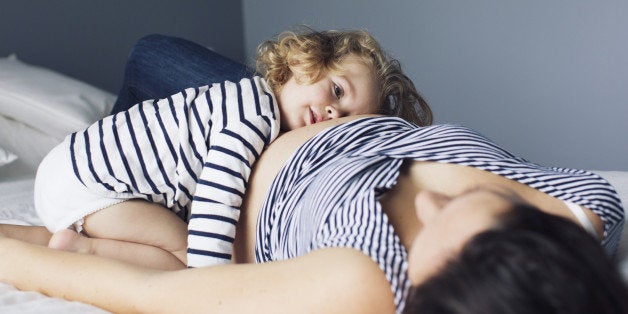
x=31, y=234
x=134, y=231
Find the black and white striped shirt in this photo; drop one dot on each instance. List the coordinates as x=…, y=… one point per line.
x=191, y=152
x=327, y=194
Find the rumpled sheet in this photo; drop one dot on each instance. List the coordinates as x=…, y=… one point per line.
x=16, y=207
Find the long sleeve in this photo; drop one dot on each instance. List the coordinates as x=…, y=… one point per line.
x=244, y=121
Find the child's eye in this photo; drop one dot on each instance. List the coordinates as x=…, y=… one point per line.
x=337, y=91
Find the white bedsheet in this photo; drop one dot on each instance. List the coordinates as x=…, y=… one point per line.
x=17, y=203
x=13, y=301
x=16, y=207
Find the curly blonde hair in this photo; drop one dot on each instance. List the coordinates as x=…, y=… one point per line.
x=312, y=53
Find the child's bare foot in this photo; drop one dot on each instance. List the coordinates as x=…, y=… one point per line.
x=70, y=240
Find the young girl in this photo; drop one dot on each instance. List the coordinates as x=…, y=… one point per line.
x=120, y=181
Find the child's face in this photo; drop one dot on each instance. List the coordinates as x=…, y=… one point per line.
x=353, y=91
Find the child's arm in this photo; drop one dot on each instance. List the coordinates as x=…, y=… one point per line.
x=245, y=120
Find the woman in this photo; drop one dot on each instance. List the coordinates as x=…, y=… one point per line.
x=337, y=223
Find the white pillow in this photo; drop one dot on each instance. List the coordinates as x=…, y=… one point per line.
x=6, y=157
x=49, y=101
x=28, y=144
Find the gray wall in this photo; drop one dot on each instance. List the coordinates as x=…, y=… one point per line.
x=546, y=79
x=90, y=39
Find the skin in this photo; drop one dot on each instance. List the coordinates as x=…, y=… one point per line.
x=109, y=233
x=458, y=217
x=303, y=284
x=451, y=204
x=352, y=91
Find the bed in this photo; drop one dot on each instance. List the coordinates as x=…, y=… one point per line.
x=38, y=107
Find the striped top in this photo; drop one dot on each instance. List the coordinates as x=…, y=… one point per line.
x=327, y=194
x=191, y=152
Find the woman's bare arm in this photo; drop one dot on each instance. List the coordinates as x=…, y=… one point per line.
x=337, y=280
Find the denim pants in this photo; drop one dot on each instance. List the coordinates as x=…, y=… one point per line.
x=159, y=66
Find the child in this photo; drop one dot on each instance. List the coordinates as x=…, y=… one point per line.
x=191, y=154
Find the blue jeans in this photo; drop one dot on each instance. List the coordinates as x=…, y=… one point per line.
x=159, y=66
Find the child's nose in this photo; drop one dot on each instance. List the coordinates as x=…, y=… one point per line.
x=332, y=112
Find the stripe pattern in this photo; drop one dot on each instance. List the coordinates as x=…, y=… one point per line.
x=191, y=152
x=326, y=195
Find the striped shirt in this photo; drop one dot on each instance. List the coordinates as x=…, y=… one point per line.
x=191, y=152
x=327, y=194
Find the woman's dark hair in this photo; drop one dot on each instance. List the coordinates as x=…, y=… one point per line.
x=531, y=262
